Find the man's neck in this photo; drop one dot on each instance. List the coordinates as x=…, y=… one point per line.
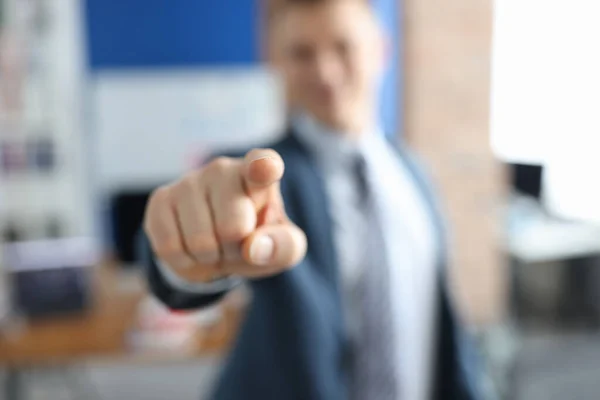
x=354, y=129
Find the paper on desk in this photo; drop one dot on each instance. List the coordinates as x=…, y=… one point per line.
x=158, y=328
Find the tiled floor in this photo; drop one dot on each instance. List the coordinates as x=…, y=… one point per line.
x=184, y=381
x=563, y=367
x=554, y=368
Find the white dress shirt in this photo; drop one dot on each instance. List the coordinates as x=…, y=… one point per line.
x=410, y=242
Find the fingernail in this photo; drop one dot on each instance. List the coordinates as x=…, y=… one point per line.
x=254, y=163
x=262, y=158
x=261, y=250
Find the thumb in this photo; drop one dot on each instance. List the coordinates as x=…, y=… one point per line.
x=275, y=246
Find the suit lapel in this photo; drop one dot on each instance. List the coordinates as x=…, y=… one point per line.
x=308, y=206
x=452, y=377
x=430, y=199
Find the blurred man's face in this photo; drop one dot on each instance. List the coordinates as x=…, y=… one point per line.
x=330, y=57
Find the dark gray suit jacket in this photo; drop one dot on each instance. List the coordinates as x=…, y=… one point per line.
x=292, y=344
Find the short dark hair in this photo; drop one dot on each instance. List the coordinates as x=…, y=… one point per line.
x=276, y=6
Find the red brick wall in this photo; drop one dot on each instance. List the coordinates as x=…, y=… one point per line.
x=446, y=100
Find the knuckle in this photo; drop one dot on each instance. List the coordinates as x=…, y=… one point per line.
x=160, y=195
x=220, y=164
x=191, y=179
x=157, y=200
x=187, y=185
x=186, y=188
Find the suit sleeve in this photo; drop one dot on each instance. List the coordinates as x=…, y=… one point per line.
x=171, y=294
x=458, y=371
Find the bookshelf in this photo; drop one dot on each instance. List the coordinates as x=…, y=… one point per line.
x=42, y=142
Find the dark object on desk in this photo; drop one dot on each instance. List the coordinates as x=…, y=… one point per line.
x=51, y=277
x=527, y=179
x=51, y=292
x=126, y=215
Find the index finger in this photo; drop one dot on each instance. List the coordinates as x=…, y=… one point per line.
x=261, y=172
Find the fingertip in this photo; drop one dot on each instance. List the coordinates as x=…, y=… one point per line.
x=264, y=167
x=265, y=170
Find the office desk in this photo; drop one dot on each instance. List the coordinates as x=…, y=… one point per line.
x=101, y=333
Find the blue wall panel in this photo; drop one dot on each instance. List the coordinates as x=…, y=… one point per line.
x=171, y=33
x=391, y=113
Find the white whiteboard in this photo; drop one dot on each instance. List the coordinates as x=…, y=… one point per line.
x=147, y=126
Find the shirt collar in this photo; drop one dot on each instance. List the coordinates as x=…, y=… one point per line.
x=334, y=148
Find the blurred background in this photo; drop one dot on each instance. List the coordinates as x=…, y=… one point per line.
x=101, y=101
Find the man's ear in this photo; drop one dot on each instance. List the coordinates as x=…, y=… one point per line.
x=269, y=51
x=381, y=52
x=385, y=49
x=380, y=44
x=270, y=55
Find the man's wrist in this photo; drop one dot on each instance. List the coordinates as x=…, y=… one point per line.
x=217, y=285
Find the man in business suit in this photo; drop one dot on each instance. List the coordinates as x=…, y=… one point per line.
x=344, y=252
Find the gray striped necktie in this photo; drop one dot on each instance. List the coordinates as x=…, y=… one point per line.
x=376, y=369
